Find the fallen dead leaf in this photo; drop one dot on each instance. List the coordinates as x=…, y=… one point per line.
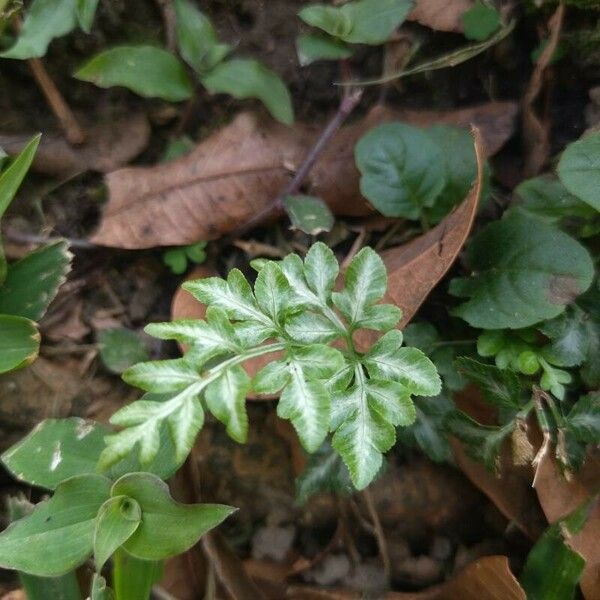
x=15, y=595
x=240, y=169
x=560, y=497
x=488, y=578
x=442, y=15
x=110, y=145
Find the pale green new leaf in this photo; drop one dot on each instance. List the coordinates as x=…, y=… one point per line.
x=249, y=78
x=197, y=39
x=365, y=284
x=311, y=328
x=272, y=291
x=45, y=20
x=184, y=425
x=64, y=523
x=167, y=527
x=162, y=375
x=321, y=270
x=226, y=400
x=19, y=342
x=402, y=169
x=388, y=360
x=271, y=378
x=116, y=522
x=146, y=70
x=380, y=317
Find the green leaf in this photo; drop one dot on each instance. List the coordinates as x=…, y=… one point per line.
x=308, y=214
x=148, y=71
x=55, y=450
x=249, y=78
x=32, y=282
x=500, y=387
x=579, y=169
x=176, y=260
x=45, y=20
x=388, y=360
x=271, y=378
x=312, y=47
x=481, y=21
x=358, y=22
x=162, y=375
x=167, y=527
x=572, y=336
x=117, y=520
x=65, y=522
x=272, y=291
x=86, y=11
x=134, y=578
x=324, y=472
x=402, y=169
x=552, y=569
x=524, y=272
x=311, y=328
x=321, y=270
x=584, y=418
x=482, y=443
x=365, y=284
x=19, y=342
x=197, y=39
x=100, y=591
x=226, y=400
x=184, y=425
x=121, y=349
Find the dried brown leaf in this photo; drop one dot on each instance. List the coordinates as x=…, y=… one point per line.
x=110, y=145
x=442, y=15
x=239, y=170
x=488, y=578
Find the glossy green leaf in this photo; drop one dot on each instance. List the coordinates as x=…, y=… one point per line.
x=481, y=21
x=249, y=78
x=167, y=527
x=524, y=272
x=308, y=214
x=402, y=169
x=197, y=39
x=312, y=47
x=47, y=269
x=19, y=342
x=584, y=418
x=86, y=11
x=45, y=20
x=579, y=169
x=117, y=520
x=64, y=522
x=146, y=70
x=121, y=349
x=359, y=21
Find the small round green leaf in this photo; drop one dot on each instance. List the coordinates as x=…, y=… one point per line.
x=308, y=214
x=19, y=342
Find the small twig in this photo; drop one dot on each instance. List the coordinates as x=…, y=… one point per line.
x=379, y=534
x=73, y=131
x=18, y=237
x=159, y=594
x=347, y=105
x=170, y=21
x=354, y=250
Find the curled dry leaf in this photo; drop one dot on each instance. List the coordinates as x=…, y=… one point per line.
x=488, y=578
x=239, y=170
x=560, y=497
x=109, y=145
x=442, y=15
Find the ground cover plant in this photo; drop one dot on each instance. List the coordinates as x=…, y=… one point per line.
x=381, y=372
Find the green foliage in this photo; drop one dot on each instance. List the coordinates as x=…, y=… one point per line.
x=308, y=214
x=360, y=398
x=120, y=349
x=177, y=258
x=146, y=70
x=312, y=47
x=481, y=21
x=579, y=169
x=19, y=342
x=524, y=272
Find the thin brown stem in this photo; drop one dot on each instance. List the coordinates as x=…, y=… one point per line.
x=170, y=22
x=73, y=131
x=379, y=534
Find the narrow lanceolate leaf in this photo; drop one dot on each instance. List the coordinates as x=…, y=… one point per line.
x=311, y=328
x=162, y=375
x=584, y=418
x=272, y=291
x=45, y=20
x=75, y=446
x=226, y=400
x=48, y=267
x=365, y=284
x=361, y=435
x=249, y=78
x=234, y=296
x=321, y=270
x=184, y=425
x=146, y=70
x=294, y=271
x=117, y=519
x=167, y=528
x=271, y=378
x=388, y=360
x=86, y=11
x=64, y=523
x=19, y=342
